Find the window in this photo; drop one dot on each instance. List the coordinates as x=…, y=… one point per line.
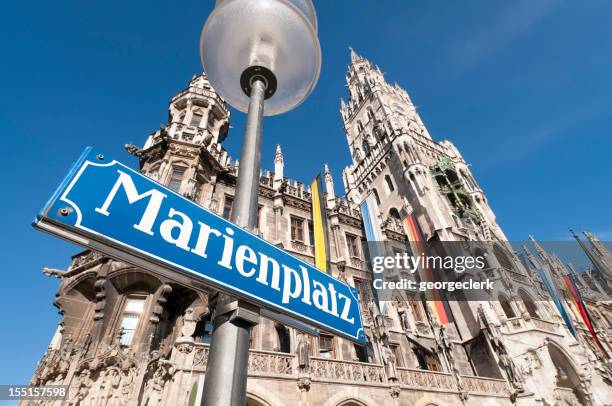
x=353, y=245
x=393, y=212
x=427, y=361
x=366, y=147
x=398, y=354
x=284, y=339
x=506, y=307
x=176, y=179
x=361, y=351
x=376, y=196
x=389, y=183
x=196, y=119
x=359, y=127
x=326, y=346
x=415, y=307
x=227, y=207
x=129, y=321
x=297, y=229
x=311, y=233
x=530, y=305
x=371, y=116
x=259, y=210
x=361, y=287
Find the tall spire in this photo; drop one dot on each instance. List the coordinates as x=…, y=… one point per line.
x=532, y=260
x=354, y=56
x=539, y=250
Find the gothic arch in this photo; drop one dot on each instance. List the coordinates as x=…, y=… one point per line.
x=529, y=303
x=376, y=196
x=79, y=279
x=129, y=278
x=366, y=147
x=427, y=400
x=566, y=371
x=253, y=400
x=260, y=396
x=502, y=257
x=351, y=402
x=390, y=185
x=349, y=396
x=506, y=306
x=393, y=212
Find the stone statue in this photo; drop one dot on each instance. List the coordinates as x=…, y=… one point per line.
x=381, y=328
x=505, y=362
x=84, y=385
x=404, y=319
x=154, y=389
x=109, y=386
x=390, y=363
x=303, y=352
x=189, y=323
x=126, y=385
x=514, y=374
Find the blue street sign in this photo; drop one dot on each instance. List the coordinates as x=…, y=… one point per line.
x=106, y=206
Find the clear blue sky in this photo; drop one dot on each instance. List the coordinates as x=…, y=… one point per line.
x=523, y=88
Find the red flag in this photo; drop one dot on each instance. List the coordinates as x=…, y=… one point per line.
x=575, y=295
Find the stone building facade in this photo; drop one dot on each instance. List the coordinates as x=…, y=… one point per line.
x=132, y=337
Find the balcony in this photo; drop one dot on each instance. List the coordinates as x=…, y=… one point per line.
x=329, y=370
x=276, y=365
x=485, y=386
x=518, y=324
x=418, y=379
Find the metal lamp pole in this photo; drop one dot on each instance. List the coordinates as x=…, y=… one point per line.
x=271, y=43
x=226, y=372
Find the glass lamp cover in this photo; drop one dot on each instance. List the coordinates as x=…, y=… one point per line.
x=280, y=35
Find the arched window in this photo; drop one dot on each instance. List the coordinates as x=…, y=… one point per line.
x=393, y=212
x=366, y=147
x=506, y=306
x=468, y=181
x=359, y=127
x=567, y=377
x=371, y=116
x=376, y=196
x=530, y=305
x=502, y=257
x=389, y=182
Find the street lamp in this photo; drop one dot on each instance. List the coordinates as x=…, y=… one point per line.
x=263, y=57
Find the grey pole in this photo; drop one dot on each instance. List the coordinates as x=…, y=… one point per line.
x=226, y=371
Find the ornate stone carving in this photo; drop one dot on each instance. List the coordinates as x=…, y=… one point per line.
x=160, y=372
x=84, y=384
x=303, y=353
x=189, y=323
x=303, y=383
